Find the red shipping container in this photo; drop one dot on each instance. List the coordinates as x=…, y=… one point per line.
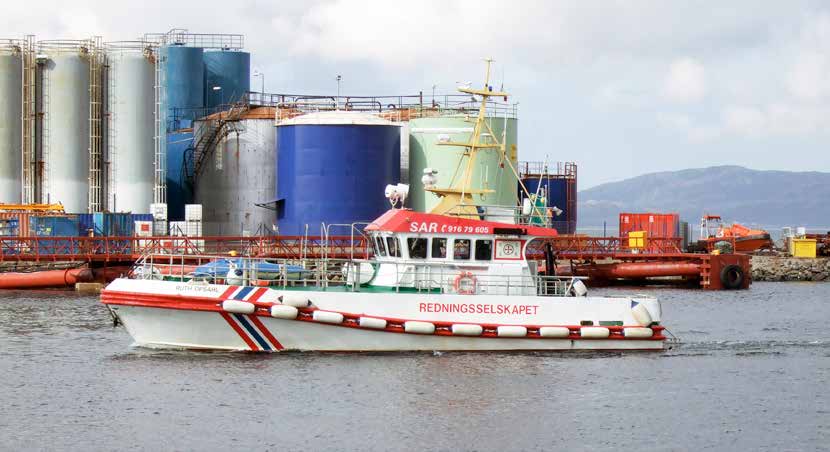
x=656, y=225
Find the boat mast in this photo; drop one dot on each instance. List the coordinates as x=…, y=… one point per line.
x=458, y=198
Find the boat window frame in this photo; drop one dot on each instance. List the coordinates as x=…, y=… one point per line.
x=409, y=247
x=432, y=243
x=393, y=239
x=455, y=241
x=475, y=250
x=381, y=246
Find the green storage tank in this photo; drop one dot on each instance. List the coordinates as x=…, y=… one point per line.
x=425, y=152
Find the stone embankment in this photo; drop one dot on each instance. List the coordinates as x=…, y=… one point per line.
x=784, y=268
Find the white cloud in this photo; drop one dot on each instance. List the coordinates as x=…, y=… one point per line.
x=685, y=81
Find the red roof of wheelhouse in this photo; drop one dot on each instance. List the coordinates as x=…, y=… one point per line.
x=405, y=220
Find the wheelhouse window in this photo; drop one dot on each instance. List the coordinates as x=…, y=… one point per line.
x=394, y=246
x=484, y=250
x=417, y=248
x=379, y=248
x=461, y=249
x=439, y=248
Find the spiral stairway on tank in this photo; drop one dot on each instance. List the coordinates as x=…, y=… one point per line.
x=218, y=128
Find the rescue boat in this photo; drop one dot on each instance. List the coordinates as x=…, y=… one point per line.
x=746, y=240
x=450, y=279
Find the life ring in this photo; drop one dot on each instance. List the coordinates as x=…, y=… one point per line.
x=467, y=289
x=732, y=277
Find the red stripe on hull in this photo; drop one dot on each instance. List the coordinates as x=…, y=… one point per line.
x=264, y=330
x=257, y=294
x=227, y=294
x=240, y=332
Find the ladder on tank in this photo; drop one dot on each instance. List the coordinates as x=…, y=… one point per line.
x=160, y=139
x=29, y=115
x=215, y=131
x=45, y=134
x=96, y=62
x=112, y=133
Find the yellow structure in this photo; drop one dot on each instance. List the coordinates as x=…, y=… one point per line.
x=637, y=239
x=803, y=248
x=53, y=208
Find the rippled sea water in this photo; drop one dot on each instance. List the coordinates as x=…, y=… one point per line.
x=752, y=373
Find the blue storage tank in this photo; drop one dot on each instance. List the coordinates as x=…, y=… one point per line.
x=333, y=167
x=179, y=191
x=184, y=82
x=556, y=189
x=231, y=72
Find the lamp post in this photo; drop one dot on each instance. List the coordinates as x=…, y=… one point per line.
x=259, y=74
x=337, y=103
x=221, y=95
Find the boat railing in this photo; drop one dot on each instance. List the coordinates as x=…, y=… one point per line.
x=348, y=275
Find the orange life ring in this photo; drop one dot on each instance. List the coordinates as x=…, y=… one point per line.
x=471, y=289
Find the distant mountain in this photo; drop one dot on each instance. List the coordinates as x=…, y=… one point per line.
x=767, y=198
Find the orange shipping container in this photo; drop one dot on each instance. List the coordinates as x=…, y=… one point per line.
x=656, y=225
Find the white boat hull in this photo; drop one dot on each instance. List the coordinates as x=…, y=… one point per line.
x=169, y=314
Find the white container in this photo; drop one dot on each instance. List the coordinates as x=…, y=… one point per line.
x=193, y=212
x=800, y=231
x=159, y=211
x=143, y=228
x=193, y=228
x=554, y=331
x=159, y=228
x=178, y=228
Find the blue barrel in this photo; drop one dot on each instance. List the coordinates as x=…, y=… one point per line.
x=333, y=167
x=228, y=71
x=557, y=196
x=179, y=192
x=184, y=83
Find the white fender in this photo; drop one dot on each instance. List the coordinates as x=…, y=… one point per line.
x=327, y=317
x=594, y=332
x=641, y=315
x=282, y=311
x=296, y=300
x=554, y=331
x=511, y=331
x=463, y=329
x=238, y=307
x=579, y=288
x=638, y=332
x=372, y=322
x=414, y=326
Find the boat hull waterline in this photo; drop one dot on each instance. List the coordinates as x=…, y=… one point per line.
x=164, y=314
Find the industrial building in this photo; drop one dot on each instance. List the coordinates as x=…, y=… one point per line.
x=169, y=120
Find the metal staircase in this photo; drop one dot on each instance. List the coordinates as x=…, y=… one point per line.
x=214, y=129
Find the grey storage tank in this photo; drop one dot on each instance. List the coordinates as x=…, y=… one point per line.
x=131, y=126
x=240, y=173
x=64, y=98
x=11, y=83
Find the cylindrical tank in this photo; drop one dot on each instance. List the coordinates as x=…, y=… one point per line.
x=10, y=123
x=184, y=83
x=228, y=71
x=178, y=191
x=239, y=174
x=131, y=127
x=333, y=168
x=490, y=171
x=560, y=192
x=64, y=98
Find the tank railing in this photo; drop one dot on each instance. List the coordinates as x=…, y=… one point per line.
x=81, y=45
x=555, y=170
x=14, y=45
x=181, y=37
x=145, y=46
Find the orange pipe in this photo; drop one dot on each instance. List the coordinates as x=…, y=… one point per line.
x=634, y=270
x=45, y=279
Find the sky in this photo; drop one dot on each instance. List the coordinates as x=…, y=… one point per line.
x=622, y=88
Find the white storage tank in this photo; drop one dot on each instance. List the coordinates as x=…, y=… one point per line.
x=131, y=132
x=64, y=98
x=11, y=84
